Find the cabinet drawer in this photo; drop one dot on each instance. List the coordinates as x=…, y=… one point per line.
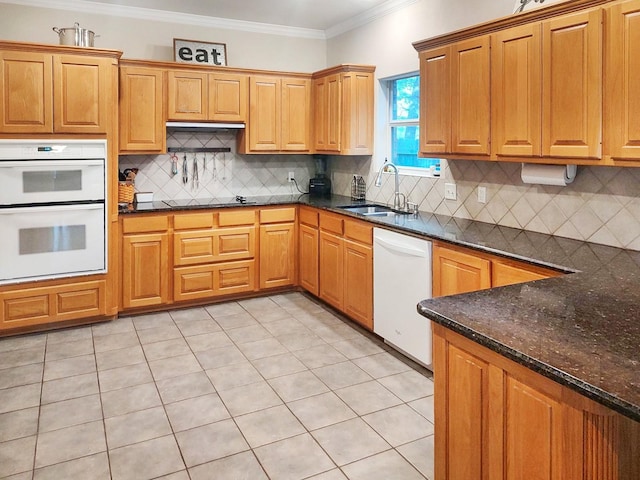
x=308, y=216
x=359, y=231
x=231, y=218
x=206, y=281
x=137, y=224
x=332, y=223
x=21, y=308
x=206, y=246
x=278, y=215
x=185, y=221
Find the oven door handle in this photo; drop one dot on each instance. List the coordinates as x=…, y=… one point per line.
x=52, y=208
x=51, y=163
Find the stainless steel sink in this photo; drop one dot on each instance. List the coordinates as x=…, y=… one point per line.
x=373, y=210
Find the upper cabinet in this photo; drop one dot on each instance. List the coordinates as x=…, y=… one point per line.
x=55, y=93
x=343, y=103
x=202, y=96
x=545, y=69
x=142, y=128
x=279, y=115
x=622, y=82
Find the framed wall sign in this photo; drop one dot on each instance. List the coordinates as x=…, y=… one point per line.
x=199, y=53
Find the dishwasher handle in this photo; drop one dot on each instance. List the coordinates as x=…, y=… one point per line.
x=400, y=248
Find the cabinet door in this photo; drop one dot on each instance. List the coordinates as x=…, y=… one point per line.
x=516, y=76
x=358, y=283
x=187, y=94
x=228, y=97
x=458, y=272
x=357, y=113
x=296, y=115
x=572, y=85
x=327, y=116
x=82, y=94
x=508, y=274
x=435, y=101
x=309, y=257
x=142, y=126
x=277, y=255
x=26, y=98
x=145, y=270
x=264, y=113
x=470, y=96
x=622, y=81
x=331, y=269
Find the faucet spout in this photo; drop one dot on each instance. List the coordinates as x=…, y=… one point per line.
x=399, y=199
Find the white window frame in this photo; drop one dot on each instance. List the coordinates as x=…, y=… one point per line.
x=412, y=171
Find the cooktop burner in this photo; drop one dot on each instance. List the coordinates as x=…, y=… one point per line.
x=208, y=202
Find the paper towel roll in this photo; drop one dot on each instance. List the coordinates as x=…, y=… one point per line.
x=558, y=175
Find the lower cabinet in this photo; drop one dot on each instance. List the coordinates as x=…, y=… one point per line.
x=346, y=266
x=27, y=307
x=308, y=245
x=145, y=261
x=277, y=247
x=497, y=419
x=461, y=270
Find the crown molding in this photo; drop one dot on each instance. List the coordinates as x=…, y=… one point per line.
x=171, y=17
x=368, y=16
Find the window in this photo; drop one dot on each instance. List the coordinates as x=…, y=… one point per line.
x=404, y=128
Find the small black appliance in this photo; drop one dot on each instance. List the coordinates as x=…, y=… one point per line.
x=320, y=185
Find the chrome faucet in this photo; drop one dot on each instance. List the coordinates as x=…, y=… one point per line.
x=398, y=204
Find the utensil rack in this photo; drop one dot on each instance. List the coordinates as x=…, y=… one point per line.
x=198, y=149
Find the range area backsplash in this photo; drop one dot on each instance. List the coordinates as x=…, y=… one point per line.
x=601, y=206
x=235, y=174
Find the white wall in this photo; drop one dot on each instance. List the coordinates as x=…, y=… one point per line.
x=153, y=40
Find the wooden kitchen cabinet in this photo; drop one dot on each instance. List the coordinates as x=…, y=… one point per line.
x=471, y=97
x=435, y=101
x=516, y=87
x=491, y=411
x=343, y=110
x=202, y=96
x=63, y=301
x=346, y=266
x=572, y=85
x=622, y=82
x=277, y=247
x=279, y=115
x=141, y=107
x=456, y=271
x=461, y=270
x=308, y=249
x=214, y=254
x=59, y=93
x=145, y=261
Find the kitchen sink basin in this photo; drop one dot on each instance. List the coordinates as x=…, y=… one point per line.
x=373, y=210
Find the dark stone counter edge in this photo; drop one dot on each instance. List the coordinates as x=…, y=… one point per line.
x=558, y=376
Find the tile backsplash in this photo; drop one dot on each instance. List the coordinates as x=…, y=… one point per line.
x=602, y=205
x=234, y=174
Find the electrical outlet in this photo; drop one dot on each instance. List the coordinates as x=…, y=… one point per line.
x=290, y=177
x=482, y=194
x=450, y=191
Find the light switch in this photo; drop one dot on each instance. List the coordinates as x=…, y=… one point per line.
x=450, y=191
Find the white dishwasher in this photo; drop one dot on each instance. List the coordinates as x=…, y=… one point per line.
x=401, y=279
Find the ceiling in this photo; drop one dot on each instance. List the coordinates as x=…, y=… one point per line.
x=307, y=14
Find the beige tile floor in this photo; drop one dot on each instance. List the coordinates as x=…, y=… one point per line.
x=275, y=387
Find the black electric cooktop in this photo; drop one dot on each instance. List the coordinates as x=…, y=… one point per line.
x=208, y=202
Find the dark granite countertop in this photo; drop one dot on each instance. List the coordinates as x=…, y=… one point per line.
x=581, y=330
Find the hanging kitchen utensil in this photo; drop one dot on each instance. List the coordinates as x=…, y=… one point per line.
x=204, y=165
x=215, y=173
x=224, y=166
x=174, y=164
x=185, y=170
x=196, y=177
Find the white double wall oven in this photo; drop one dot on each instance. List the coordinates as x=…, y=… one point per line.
x=52, y=209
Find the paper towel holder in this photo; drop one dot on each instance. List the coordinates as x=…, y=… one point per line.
x=544, y=174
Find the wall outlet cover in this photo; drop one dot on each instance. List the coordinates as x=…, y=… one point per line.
x=482, y=194
x=450, y=192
